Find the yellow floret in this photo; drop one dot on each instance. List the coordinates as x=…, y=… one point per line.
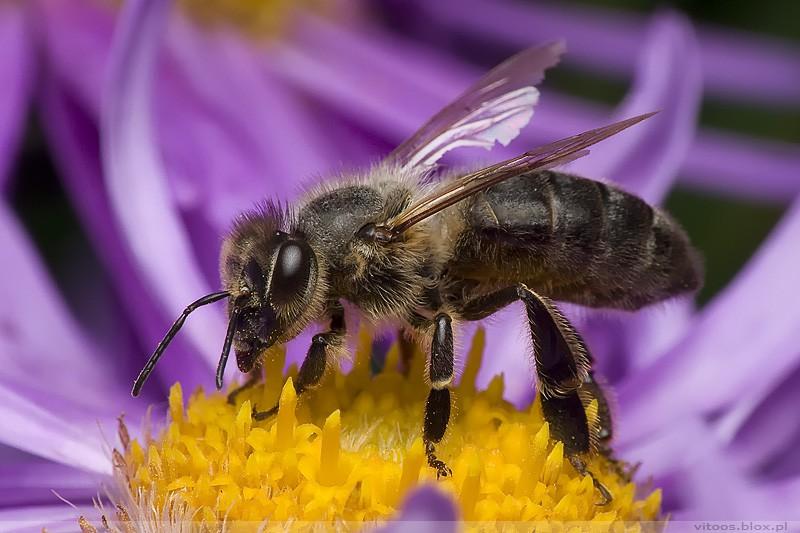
x=351, y=450
x=259, y=18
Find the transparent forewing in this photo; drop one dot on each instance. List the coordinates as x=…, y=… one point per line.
x=493, y=110
x=547, y=156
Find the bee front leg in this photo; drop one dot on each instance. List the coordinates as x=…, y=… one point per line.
x=437, y=407
x=253, y=377
x=323, y=346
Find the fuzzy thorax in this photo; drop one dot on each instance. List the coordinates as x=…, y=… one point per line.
x=351, y=451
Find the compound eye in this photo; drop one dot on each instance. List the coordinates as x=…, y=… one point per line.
x=292, y=272
x=254, y=278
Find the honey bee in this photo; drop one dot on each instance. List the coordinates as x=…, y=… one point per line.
x=407, y=242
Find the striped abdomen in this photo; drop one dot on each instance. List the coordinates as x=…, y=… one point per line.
x=572, y=239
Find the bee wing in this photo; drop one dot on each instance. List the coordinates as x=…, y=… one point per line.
x=493, y=110
x=547, y=156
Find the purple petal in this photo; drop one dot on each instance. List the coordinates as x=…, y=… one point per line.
x=74, y=141
x=426, y=509
x=645, y=160
x=623, y=342
x=357, y=76
x=32, y=482
x=54, y=428
x=701, y=480
x=16, y=73
x=736, y=64
x=736, y=333
x=727, y=163
x=763, y=429
x=32, y=303
x=52, y=518
x=136, y=179
x=76, y=37
x=665, y=453
x=394, y=86
x=713, y=489
x=273, y=126
x=508, y=352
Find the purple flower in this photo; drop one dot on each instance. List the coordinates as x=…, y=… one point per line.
x=737, y=67
x=162, y=143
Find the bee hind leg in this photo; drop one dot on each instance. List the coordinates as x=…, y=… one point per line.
x=605, y=428
x=563, y=372
x=580, y=467
x=566, y=384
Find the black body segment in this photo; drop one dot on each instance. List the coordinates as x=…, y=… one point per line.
x=314, y=364
x=560, y=353
x=437, y=415
x=332, y=218
x=572, y=239
x=440, y=373
x=568, y=423
x=441, y=363
x=226, y=347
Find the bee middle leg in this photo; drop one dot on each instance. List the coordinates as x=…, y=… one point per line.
x=319, y=353
x=440, y=374
x=563, y=371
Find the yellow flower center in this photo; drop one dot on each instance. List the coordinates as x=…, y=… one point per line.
x=351, y=450
x=258, y=18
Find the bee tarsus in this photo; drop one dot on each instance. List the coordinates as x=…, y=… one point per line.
x=253, y=378
x=260, y=416
x=580, y=467
x=442, y=470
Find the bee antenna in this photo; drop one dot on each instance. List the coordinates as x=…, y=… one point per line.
x=151, y=363
x=226, y=348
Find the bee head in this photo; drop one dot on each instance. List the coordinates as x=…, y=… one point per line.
x=272, y=278
x=272, y=283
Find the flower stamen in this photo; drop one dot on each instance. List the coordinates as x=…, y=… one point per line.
x=351, y=450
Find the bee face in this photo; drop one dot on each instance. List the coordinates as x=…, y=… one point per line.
x=272, y=278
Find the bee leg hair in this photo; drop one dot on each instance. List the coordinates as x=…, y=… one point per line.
x=316, y=361
x=437, y=407
x=605, y=427
x=563, y=369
